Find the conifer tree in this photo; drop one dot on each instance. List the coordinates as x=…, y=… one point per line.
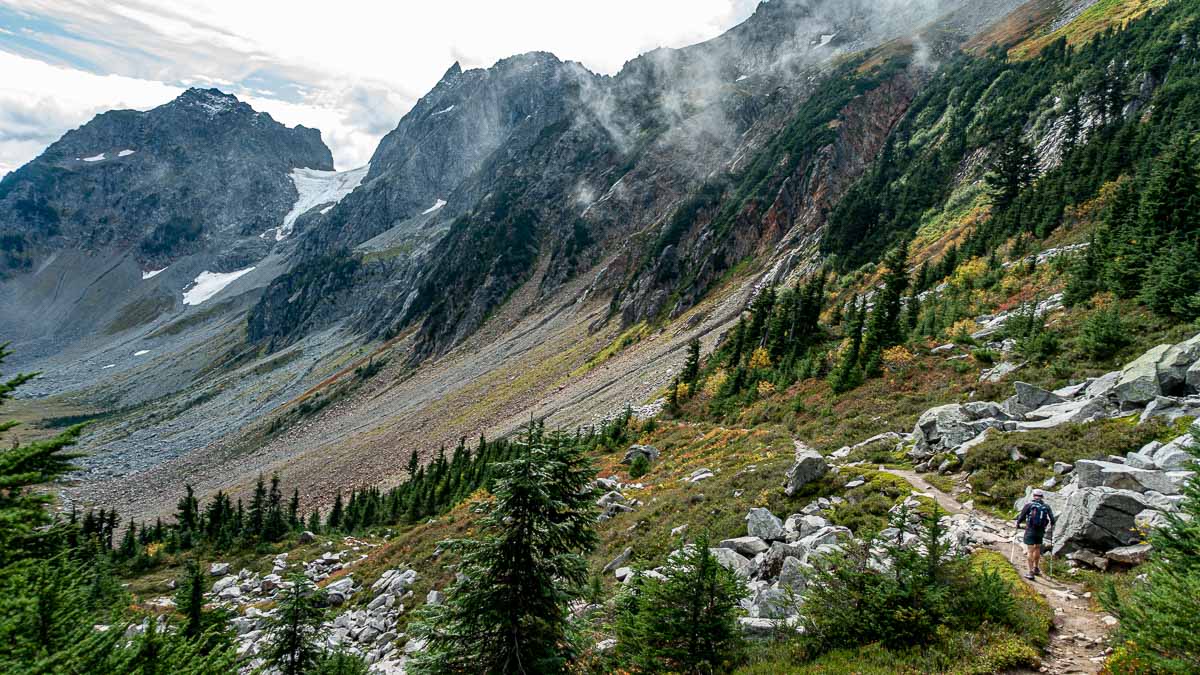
x=295, y=628
x=22, y=511
x=508, y=610
x=258, y=510
x=691, y=367
x=1012, y=171
x=884, y=328
x=685, y=623
x=334, y=521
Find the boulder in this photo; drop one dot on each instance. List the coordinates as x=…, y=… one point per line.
x=219, y=569
x=1097, y=518
x=699, y=475
x=1175, y=455
x=793, y=574
x=773, y=603
x=1174, y=364
x=1091, y=473
x=618, y=561
x=1089, y=558
x=826, y=536
x=763, y=524
x=648, y=451
x=801, y=525
x=1192, y=378
x=307, y=537
x=946, y=427
x=1102, y=386
x=1063, y=468
x=1138, y=383
x=1130, y=555
x=747, y=546
x=1150, y=519
x=224, y=583
x=809, y=466
x=732, y=561
x=1032, y=397
x=771, y=565
x=623, y=573
x=755, y=627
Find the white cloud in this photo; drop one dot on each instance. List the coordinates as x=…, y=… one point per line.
x=350, y=69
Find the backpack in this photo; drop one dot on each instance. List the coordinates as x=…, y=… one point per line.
x=1039, y=515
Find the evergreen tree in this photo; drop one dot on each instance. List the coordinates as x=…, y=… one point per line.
x=293, y=517
x=508, y=610
x=691, y=367
x=294, y=630
x=884, y=328
x=190, y=599
x=1157, y=629
x=334, y=521
x=22, y=511
x=848, y=375
x=258, y=510
x=685, y=623
x=1012, y=171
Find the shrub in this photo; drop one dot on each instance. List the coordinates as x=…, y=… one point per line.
x=1103, y=333
x=984, y=356
x=639, y=466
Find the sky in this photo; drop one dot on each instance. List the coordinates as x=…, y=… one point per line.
x=350, y=68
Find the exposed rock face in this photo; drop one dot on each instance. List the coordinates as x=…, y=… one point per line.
x=949, y=426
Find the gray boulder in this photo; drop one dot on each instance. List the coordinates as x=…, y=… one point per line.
x=1032, y=397
x=773, y=603
x=763, y=524
x=1192, y=378
x=1174, y=364
x=747, y=546
x=618, y=561
x=793, y=574
x=1130, y=555
x=799, y=525
x=1138, y=383
x=1092, y=473
x=1150, y=519
x=947, y=427
x=809, y=466
x=648, y=451
x=219, y=569
x=1098, y=519
x=732, y=561
x=771, y=566
x=830, y=535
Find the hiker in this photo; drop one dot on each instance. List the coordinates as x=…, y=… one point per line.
x=1036, y=516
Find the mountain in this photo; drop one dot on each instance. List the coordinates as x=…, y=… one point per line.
x=188, y=187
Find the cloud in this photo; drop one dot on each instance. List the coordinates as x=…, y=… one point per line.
x=351, y=69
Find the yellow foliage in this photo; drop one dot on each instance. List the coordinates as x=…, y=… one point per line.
x=713, y=384
x=682, y=390
x=897, y=356
x=969, y=271
x=760, y=359
x=765, y=388
x=962, y=329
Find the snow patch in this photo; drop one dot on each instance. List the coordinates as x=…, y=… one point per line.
x=436, y=205
x=208, y=284
x=152, y=273
x=125, y=153
x=826, y=39
x=141, y=351
x=94, y=158
x=317, y=187
x=741, y=77
x=442, y=112
x=111, y=365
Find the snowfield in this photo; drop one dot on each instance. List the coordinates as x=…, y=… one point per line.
x=141, y=351
x=94, y=158
x=436, y=205
x=152, y=273
x=442, y=112
x=125, y=153
x=208, y=284
x=316, y=188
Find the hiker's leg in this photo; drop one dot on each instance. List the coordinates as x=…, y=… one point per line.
x=1030, y=558
x=1035, y=558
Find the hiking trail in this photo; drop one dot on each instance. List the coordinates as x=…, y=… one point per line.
x=1079, y=637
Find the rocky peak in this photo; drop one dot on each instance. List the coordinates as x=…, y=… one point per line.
x=210, y=102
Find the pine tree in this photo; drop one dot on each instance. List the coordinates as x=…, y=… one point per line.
x=294, y=630
x=190, y=599
x=848, y=374
x=258, y=510
x=1013, y=170
x=275, y=525
x=187, y=512
x=884, y=328
x=1157, y=629
x=334, y=522
x=22, y=511
x=508, y=611
x=691, y=367
x=685, y=623
x=293, y=517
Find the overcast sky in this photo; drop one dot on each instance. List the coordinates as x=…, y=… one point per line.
x=350, y=68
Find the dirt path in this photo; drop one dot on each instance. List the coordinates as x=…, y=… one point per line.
x=1079, y=637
